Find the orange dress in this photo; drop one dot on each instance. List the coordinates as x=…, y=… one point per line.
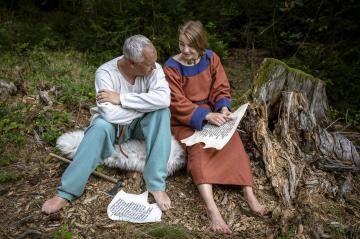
x=195, y=91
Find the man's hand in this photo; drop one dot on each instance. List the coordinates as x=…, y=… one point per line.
x=108, y=96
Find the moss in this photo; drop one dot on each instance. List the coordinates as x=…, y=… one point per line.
x=163, y=231
x=266, y=68
x=167, y=231
x=239, y=99
x=63, y=233
x=7, y=176
x=270, y=63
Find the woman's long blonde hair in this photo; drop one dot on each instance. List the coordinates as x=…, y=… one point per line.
x=195, y=32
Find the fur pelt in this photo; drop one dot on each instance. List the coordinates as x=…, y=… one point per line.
x=135, y=149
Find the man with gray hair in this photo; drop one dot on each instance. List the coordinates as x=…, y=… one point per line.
x=131, y=102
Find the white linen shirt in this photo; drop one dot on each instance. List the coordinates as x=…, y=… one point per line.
x=149, y=93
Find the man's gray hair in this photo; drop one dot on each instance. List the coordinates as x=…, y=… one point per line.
x=133, y=47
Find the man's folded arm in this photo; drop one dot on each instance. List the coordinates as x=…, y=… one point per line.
x=116, y=114
x=112, y=113
x=157, y=97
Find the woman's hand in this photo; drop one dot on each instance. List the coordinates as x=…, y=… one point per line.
x=108, y=96
x=217, y=119
x=225, y=111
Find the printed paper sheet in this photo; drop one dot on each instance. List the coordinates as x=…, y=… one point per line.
x=133, y=208
x=217, y=136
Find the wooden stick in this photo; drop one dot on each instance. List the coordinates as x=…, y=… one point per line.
x=101, y=175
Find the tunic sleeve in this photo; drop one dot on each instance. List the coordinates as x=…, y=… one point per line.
x=220, y=92
x=182, y=109
x=156, y=97
x=112, y=113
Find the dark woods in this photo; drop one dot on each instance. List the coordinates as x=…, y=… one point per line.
x=319, y=37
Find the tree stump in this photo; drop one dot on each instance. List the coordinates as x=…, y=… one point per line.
x=288, y=122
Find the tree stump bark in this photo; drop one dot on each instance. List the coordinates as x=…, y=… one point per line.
x=288, y=122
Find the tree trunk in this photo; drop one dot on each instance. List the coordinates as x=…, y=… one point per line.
x=287, y=122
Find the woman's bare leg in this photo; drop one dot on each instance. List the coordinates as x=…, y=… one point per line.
x=217, y=223
x=252, y=201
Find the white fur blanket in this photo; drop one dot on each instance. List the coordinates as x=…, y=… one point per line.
x=135, y=149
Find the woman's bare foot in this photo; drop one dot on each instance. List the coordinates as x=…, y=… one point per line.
x=162, y=200
x=252, y=201
x=217, y=223
x=54, y=204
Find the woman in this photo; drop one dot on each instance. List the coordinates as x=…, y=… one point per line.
x=200, y=94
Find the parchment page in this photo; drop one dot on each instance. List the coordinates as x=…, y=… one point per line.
x=217, y=136
x=133, y=208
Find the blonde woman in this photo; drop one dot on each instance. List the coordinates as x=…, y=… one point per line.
x=200, y=94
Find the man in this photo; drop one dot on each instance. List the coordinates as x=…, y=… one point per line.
x=132, y=102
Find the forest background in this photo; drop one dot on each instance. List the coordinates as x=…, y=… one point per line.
x=55, y=46
x=319, y=37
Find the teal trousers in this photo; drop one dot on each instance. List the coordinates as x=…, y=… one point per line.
x=98, y=144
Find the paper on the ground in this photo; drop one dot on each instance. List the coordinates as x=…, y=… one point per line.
x=217, y=136
x=133, y=208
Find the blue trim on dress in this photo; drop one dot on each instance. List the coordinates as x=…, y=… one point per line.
x=198, y=118
x=191, y=70
x=221, y=103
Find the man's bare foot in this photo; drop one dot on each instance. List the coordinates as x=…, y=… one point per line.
x=252, y=201
x=54, y=204
x=162, y=200
x=217, y=223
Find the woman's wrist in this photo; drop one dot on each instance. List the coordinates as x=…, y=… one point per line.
x=207, y=116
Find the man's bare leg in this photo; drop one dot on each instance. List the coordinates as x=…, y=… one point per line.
x=252, y=201
x=162, y=199
x=54, y=204
x=217, y=223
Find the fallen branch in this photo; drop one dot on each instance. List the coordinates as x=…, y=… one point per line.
x=27, y=233
x=100, y=175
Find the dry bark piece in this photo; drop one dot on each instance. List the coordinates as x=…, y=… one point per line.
x=6, y=89
x=45, y=98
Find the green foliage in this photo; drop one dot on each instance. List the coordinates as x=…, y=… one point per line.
x=216, y=43
x=318, y=37
x=100, y=27
x=7, y=176
x=16, y=121
x=333, y=67
x=39, y=69
x=8, y=125
x=340, y=233
x=7, y=159
x=68, y=73
x=63, y=233
x=289, y=234
x=59, y=69
x=18, y=33
x=11, y=125
x=47, y=124
x=15, y=125
x=348, y=117
x=152, y=231
x=100, y=168
x=196, y=209
x=162, y=231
